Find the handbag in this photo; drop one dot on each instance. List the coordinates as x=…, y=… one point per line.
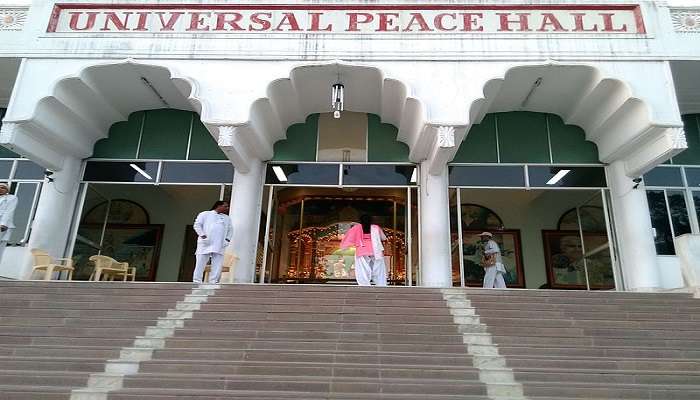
x=488, y=260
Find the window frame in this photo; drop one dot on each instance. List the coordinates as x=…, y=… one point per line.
x=689, y=201
x=526, y=173
x=15, y=183
x=158, y=179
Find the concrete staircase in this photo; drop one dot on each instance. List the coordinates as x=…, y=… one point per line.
x=54, y=334
x=307, y=342
x=60, y=340
x=595, y=345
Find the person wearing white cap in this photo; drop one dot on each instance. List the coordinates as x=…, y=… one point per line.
x=8, y=204
x=492, y=262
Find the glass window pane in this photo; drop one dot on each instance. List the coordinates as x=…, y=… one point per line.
x=663, y=176
x=545, y=176
x=660, y=222
x=496, y=175
x=378, y=174
x=180, y=172
x=165, y=134
x=28, y=170
x=5, y=168
x=692, y=175
x=302, y=174
x=679, y=212
x=121, y=171
x=25, y=199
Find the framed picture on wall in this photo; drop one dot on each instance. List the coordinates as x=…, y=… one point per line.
x=509, y=242
x=137, y=244
x=564, y=262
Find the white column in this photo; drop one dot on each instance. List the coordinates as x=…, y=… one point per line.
x=435, y=263
x=54, y=213
x=639, y=265
x=246, y=201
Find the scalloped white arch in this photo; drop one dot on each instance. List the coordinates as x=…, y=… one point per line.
x=307, y=90
x=619, y=123
x=80, y=108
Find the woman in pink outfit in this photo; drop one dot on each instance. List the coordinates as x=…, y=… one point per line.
x=369, y=252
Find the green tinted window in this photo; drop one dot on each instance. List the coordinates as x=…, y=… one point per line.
x=522, y=137
x=383, y=145
x=525, y=137
x=300, y=144
x=123, y=139
x=480, y=144
x=569, y=143
x=165, y=134
x=202, y=145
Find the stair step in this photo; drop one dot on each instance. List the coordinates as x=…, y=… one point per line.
x=165, y=394
x=612, y=391
x=532, y=375
x=283, y=368
x=335, y=390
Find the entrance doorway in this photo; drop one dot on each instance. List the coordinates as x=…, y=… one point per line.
x=304, y=221
x=308, y=224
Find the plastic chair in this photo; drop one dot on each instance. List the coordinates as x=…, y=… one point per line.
x=127, y=274
x=44, y=262
x=109, y=268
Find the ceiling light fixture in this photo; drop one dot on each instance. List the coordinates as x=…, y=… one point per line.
x=279, y=173
x=140, y=171
x=337, y=98
x=557, y=177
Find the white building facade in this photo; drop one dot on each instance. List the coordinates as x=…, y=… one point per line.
x=439, y=74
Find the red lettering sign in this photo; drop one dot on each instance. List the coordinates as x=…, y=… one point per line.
x=356, y=19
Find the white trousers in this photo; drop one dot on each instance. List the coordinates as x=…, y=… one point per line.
x=493, y=278
x=217, y=261
x=368, y=267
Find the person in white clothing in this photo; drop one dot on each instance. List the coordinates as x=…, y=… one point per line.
x=492, y=262
x=8, y=204
x=214, y=229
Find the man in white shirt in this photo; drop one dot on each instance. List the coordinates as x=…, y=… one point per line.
x=8, y=204
x=214, y=229
x=492, y=262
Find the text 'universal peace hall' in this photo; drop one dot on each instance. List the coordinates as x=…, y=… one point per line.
x=335, y=20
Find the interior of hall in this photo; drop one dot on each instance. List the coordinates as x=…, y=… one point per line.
x=148, y=226
x=307, y=224
x=538, y=232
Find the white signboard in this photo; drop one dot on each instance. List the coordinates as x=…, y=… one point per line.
x=362, y=19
